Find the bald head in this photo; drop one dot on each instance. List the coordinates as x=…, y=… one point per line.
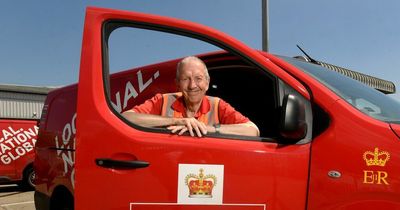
x=191, y=60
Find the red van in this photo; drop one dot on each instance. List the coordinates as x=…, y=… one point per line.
x=17, y=141
x=326, y=141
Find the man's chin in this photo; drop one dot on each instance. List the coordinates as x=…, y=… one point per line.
x=195, y=99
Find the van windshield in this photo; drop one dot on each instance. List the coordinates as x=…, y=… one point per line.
x=361, y=96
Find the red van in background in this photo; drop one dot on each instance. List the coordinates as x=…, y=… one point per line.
x=20, y=111
x=326, y=141
x=17, y=141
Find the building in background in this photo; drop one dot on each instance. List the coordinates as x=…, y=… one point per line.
x=22, y=102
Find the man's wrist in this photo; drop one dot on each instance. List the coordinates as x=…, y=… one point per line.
x=174, y=121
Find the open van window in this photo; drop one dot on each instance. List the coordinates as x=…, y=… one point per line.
x=138, y=76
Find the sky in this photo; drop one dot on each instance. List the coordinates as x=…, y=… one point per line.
x=41, y=40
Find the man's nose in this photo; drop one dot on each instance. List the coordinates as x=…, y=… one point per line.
x=192, y=83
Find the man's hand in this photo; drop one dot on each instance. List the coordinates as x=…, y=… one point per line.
x=192, y=125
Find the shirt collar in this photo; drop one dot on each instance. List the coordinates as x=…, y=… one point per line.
x=179, y=106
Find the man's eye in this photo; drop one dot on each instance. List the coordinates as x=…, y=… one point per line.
x=199, y=79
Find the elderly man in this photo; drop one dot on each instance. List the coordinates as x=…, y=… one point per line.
x=190, y=110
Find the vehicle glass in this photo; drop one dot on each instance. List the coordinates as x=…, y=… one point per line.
x=366, y=99
x=134, y=47
x=132, y=53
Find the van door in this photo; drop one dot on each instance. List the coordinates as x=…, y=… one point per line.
x=120, y=165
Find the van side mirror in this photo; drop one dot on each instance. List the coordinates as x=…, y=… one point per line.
x=293, y=125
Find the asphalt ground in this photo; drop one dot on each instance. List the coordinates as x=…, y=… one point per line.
x=13, y=197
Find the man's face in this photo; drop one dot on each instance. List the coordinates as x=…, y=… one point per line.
x=193, y=82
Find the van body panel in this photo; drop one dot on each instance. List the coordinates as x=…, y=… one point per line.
x=348, y=147
x=17, y=141
x=55, y=155
x=396, y=129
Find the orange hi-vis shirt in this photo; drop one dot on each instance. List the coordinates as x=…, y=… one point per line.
x=226, y=113
x=209, y=118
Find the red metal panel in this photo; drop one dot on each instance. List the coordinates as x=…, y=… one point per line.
x=396, y=129
x=198, y=207
x=17, y=141
x=349, y=147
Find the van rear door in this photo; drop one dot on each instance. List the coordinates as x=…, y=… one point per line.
x=120, y=165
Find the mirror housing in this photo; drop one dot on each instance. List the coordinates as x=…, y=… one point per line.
x=293, y=125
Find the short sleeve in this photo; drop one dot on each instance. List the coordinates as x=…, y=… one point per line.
x=150, y=106
x=228, y=114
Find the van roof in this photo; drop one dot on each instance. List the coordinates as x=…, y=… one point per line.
x=42, y=90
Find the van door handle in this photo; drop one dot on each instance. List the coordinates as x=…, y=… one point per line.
x=121, y=164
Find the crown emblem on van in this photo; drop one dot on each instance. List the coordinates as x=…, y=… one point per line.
x=200, y=185
x=376, y=158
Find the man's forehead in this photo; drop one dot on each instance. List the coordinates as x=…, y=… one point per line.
x=195, y=68
x=193, y=64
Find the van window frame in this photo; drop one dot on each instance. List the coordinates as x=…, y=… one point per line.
x=112, y=24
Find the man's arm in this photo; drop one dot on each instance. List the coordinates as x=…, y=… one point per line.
x=244, y=129
x=176, y=125
x=148, y=120
x=181, y=125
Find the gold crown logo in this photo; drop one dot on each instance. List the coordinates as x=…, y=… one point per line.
x=376, y=158
x=200, y=186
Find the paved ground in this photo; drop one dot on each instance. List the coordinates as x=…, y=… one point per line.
x=13, y=198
